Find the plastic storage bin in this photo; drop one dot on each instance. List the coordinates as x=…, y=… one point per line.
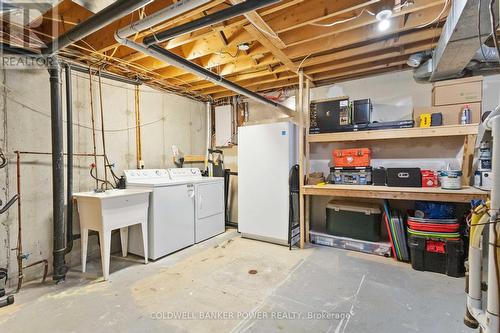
x=440, y=256
x=378, y=248
x=354, y=220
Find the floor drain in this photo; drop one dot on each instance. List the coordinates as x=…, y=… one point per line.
x=252, y=271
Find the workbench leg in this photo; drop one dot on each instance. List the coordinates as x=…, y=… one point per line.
x=468, y=158
x=301, y=221
x=307, y=216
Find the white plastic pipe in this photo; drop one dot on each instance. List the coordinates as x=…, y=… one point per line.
x=160, y=16
x=474, y=303
x=492, y=308
x=209, y=132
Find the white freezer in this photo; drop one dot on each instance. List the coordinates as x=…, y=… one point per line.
x=266, y=153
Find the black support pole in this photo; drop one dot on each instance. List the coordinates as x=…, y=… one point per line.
x=59, y=250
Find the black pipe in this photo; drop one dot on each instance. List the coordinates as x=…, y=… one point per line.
x=179, y=61
x=205, y=21
x=9, y=203
x=59, y=250
x=3, y=160
x=97, y=21
x=69, y=159
x=107, y=75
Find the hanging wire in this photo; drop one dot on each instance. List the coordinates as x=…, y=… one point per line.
x=343, y=21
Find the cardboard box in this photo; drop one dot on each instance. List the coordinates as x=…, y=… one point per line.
x=452, y=114
x=460, y=91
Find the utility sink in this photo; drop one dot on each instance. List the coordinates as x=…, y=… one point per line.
x=110, y=210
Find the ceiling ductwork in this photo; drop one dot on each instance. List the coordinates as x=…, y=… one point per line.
x=458, y=51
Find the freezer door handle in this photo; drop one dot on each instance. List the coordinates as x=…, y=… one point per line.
x=200, y=202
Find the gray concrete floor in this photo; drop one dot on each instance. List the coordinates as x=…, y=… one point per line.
x=317, y=290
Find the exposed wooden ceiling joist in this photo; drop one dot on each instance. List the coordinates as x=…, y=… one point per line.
x=329, y=40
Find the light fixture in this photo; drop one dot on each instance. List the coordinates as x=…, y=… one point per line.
x=383, y=17
x=243, y=47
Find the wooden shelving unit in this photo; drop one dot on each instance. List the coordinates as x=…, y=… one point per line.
x=467, y=193
x=400, y=133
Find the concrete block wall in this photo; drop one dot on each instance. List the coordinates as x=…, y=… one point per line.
x=25, y=125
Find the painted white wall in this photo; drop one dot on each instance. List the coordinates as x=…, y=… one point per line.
x=168, y=119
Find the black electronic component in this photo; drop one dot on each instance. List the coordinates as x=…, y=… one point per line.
x=437, y=119
x=379, y=176
x=330, y=116
x=362, y=111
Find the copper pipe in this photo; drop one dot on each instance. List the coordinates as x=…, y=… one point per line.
x=19, y=248
x=45, y=153
x=93, y=129
x=103, y=134
x=45, y=268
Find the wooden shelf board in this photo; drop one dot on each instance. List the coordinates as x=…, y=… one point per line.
x=398, y=133
x=466, y=194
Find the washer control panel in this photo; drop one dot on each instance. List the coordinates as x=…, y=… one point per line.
x=184, y=173
x=133, y=175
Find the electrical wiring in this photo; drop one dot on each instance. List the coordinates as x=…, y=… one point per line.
x=435, y=19
x=225, y=52
x=47, y=115
x=302, y=62
x=364, y=10
x=269, y=33
x=120, y=63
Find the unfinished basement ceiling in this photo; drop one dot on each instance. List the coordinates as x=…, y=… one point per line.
x=330, y=40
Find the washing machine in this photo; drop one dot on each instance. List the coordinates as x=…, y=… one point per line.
x=185, y=208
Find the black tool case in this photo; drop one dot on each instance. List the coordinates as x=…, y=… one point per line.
x=439, y=256
x=404, y=177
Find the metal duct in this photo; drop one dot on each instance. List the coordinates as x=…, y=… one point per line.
x=97, y=21
x=205, y=21
x=460, y=38
x=160, y=16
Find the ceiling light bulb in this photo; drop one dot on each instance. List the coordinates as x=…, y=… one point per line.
x=384, y=25
x=244, y=47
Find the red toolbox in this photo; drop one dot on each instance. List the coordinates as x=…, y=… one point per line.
x=357, y=157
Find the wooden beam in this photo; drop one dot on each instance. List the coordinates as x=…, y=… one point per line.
x=256, y=20
x=312, y=32
x=359, y=59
